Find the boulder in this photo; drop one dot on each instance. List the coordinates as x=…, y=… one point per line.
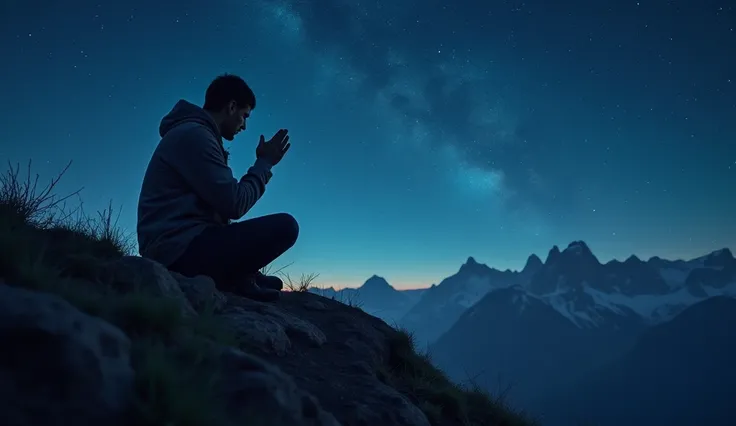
x=201, y=293
x=261, y=393
x=57, y=363
x=133, y=273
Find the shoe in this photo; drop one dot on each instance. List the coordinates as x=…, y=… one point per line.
x=268, y=281
x=250, y=289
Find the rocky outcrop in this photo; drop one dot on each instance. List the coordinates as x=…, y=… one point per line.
x=304, y=360
x=333, y=351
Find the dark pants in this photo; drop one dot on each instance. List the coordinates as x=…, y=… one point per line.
x=229, y=253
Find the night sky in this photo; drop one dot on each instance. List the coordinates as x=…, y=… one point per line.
x=423, y=131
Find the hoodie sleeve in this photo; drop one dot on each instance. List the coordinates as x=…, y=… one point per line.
x=198, y=158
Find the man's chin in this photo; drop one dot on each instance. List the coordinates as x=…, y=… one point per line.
x=228, y=137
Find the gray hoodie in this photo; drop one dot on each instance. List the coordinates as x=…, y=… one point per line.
x=188, y=185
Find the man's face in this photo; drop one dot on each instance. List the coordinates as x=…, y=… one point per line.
x=235, y=120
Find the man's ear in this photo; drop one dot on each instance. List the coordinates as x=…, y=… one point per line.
x=232, y=107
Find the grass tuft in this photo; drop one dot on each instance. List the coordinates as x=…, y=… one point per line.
x=304, y=283
x=22, y=202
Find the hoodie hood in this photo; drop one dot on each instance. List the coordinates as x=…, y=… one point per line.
x=187, y=112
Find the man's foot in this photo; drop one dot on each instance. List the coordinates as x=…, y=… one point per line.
x=250, y=289
x=268, y=281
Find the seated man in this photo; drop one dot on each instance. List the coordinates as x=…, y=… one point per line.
x=189, y=196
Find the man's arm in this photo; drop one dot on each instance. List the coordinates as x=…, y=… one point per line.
x=197, y=156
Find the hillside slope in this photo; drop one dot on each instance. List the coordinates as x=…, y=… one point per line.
x=679, y=373
x=440, y=306
x=92, y=336
x=516, y=341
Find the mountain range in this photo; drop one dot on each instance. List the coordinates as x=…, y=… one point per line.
x=441, y=305
x=376, y=297
x=558, y=332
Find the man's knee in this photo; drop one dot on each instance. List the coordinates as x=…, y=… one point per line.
x=288, y=228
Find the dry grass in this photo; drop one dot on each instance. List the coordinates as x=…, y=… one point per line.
x=351, y=299
x=22, y=202
x=302, y=284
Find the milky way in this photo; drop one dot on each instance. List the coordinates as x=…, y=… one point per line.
x=424, y=131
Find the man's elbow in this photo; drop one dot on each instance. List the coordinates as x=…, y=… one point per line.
x=245, y=197
x=236, y=214
x=237, y=201
x=232, y=210
x=227, y=206
x=239, y=207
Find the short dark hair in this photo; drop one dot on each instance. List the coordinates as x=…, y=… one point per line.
x=226, y=88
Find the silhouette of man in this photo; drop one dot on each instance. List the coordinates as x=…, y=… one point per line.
x=189, y=196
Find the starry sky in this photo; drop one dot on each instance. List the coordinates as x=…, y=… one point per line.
x=422, y=131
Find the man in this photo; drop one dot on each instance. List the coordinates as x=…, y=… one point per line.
x=189, y=196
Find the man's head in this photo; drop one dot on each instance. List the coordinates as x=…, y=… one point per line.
x=230, y=100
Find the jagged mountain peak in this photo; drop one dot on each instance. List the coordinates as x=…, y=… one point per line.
x=472, y=267
x=719, y=258
x=553, y=255
x=724, y=252
x=471, y=261
x=376, y=284
x=533, y=263
x=376, y=281
x=573, y=267
x=578, y=247
x=577, y=252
